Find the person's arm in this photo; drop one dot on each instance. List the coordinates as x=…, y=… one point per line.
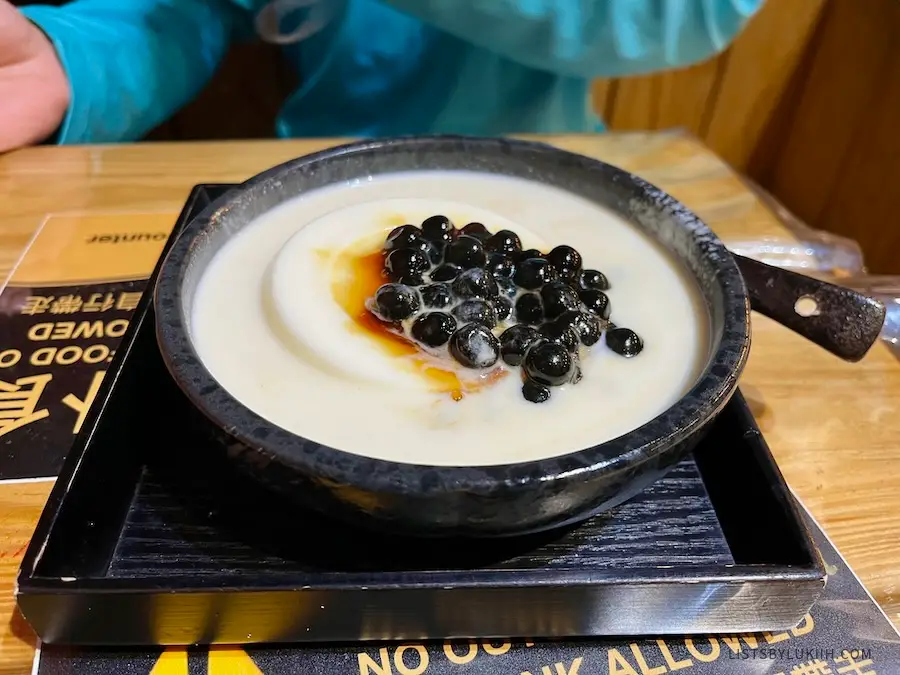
x=591, y=38
x=131, y=64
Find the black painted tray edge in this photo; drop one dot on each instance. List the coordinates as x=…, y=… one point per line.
x=82, y=440
x=60, y=609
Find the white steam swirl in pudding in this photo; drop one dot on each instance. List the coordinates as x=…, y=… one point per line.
x=312, y=320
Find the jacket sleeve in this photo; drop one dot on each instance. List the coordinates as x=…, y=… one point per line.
x=591, y=38
x=131, y=64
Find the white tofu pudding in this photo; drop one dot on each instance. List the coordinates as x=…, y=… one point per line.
x=280, y=319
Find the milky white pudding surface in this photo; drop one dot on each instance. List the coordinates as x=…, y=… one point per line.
x=271, y=328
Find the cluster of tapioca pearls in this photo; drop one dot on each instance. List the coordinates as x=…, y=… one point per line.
x=478, y=297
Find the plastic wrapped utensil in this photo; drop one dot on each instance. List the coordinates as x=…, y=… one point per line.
x=809, y=251
x=826, y=256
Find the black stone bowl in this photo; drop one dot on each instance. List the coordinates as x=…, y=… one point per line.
x=489, y=500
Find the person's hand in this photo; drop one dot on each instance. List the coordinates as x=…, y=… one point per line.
x=34, y=90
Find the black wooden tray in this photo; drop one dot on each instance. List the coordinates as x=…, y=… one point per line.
x=146, y=539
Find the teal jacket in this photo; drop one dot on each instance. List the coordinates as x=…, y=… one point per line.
x=381, y=67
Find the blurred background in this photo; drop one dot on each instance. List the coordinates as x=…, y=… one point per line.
x=806, y=103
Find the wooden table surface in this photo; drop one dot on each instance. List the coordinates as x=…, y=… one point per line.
x=832, y=426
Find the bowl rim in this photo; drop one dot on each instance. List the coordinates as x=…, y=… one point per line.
x=705, y=399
